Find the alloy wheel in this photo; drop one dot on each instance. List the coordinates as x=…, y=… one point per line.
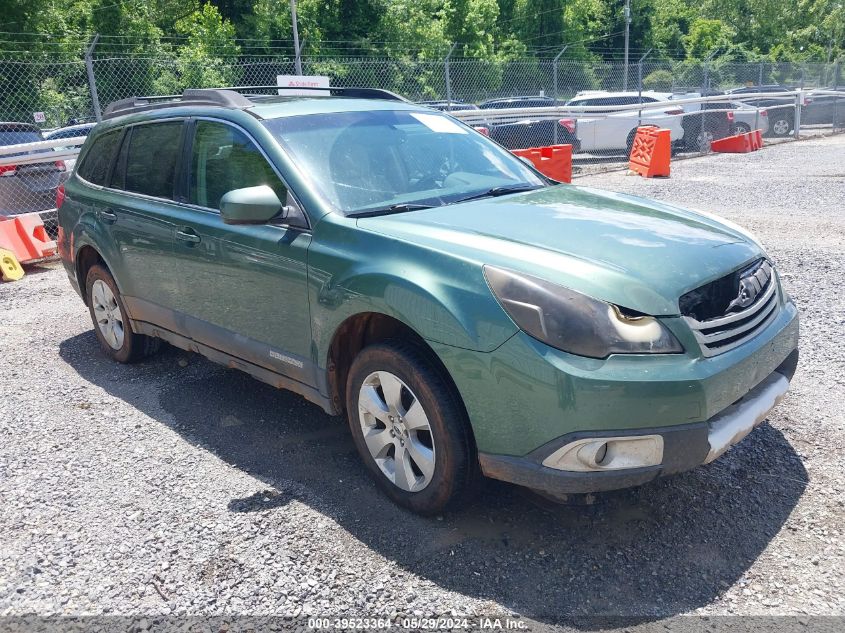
x=781, y=127
x=107, y=313
x=396, y=431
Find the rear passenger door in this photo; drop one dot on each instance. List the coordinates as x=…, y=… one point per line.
x=243, y=287
x=137, y=211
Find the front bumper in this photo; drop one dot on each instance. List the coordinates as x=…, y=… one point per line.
x=685, y=446
x=526, y=400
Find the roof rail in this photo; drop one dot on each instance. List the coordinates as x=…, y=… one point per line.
x=232, y=97
x=332, y=91
x=224, y=98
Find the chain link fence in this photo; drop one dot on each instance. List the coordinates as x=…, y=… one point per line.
x=40, y=97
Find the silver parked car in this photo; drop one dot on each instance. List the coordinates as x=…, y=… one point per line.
x=748, y=117
x=25, y=188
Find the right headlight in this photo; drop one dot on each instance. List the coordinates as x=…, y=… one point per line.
x=575, y=323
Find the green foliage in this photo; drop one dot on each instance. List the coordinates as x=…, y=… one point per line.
x=494, y=30
x=659, y=80
x=61, y=103
x=706, y=36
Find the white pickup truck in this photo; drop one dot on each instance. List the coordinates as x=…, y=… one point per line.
x=612, y=130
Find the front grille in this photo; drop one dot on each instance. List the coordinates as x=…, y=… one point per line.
x=735, y=323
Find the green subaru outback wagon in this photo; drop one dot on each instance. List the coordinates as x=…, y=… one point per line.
x=468, y=315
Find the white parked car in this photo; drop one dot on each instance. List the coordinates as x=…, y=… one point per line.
x=616, y=132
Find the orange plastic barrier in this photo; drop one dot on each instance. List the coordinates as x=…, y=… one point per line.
x=554, y=161
x=651, y=152
x=739, y=143
x=26, y=237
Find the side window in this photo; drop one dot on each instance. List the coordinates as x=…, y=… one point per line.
x=151, y=161
x=222, y=159
x=118, y=175
x=99, y=158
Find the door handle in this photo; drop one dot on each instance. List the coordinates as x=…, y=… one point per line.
x=107, y=215
x=188, y=235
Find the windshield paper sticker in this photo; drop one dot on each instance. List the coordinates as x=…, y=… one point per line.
x=440, y=124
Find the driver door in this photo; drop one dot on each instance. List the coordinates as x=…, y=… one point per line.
x=243, y=287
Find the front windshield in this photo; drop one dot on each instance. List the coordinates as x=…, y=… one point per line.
x=367, y=161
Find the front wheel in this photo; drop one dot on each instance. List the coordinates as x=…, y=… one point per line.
x=410, y=428
x=780, y=125
x=111, y=323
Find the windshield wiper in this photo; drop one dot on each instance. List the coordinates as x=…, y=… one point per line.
x=498, y=191
x=393, y=208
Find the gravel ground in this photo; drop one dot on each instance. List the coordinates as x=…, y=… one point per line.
x=179, y=487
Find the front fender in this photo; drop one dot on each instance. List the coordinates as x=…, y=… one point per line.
x=444, y=299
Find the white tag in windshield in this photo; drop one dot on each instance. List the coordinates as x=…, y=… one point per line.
x=440, y=124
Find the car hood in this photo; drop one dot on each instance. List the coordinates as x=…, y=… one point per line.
x=636, y=253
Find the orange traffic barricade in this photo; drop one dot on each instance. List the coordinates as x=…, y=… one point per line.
x=739, y=143
x=26, y=238
x=651, y=152
x=736, y=144
x=554, y=161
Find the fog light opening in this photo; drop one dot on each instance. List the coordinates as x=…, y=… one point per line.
x=593, y=454
x=612, y=453
x=601, y=454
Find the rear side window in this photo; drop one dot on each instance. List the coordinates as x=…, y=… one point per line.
x=16, y=135
x=99, y=157
x=118, y=174
x=223, y=158
x=151, y=159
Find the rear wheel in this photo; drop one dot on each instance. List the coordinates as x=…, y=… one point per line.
x=696, y=139
x=780, y=125
x=111, y=323
x=740, y=128
x=410, y=428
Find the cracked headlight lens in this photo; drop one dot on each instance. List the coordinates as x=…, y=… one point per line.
x=575, y=323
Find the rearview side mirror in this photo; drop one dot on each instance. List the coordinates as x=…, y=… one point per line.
x=250, y=205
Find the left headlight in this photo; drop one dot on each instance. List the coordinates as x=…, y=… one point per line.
x=576, y=323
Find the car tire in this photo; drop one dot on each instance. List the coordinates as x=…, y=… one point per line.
x=410, y=427
x=699, y=141
x=740, y=128
x=111, y=322
x=780, y=125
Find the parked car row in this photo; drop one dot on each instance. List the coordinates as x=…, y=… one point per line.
x=28, y=188
x=693, y=126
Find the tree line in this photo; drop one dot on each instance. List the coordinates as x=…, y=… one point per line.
x=592, y=30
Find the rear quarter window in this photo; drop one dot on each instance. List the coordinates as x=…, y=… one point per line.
x=94, y=167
